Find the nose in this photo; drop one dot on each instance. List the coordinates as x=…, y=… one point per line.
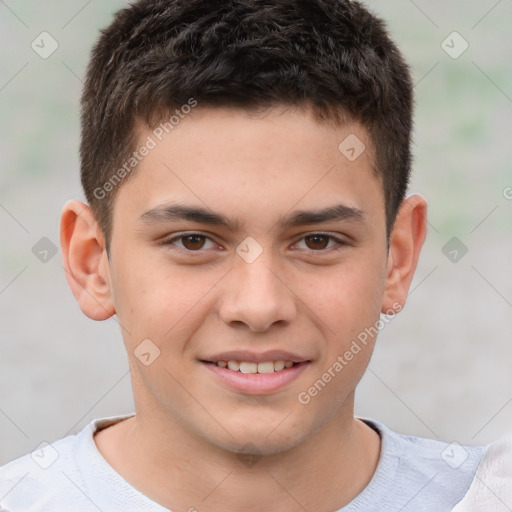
x=257, y=296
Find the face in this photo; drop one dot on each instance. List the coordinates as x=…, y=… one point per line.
x=251, y=242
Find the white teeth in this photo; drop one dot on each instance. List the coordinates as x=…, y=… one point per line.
x=250, y=367
x=266, y=367
x=278, y=366
x=234, y=365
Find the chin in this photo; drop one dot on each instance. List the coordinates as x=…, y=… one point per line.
x=260, y=440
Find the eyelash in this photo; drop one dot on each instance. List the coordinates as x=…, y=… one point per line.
x=170, y=242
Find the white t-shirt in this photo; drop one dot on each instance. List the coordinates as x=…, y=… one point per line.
x=71, y=475
x=491, y=490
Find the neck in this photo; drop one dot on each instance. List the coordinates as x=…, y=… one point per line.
x=184, y=472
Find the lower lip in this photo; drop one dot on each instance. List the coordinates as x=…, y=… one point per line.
x=256, y=383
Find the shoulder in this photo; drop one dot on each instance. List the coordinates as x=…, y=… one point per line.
x=58, y=476
x=421, y=455
x=34, y=477
x=69, y=474
x=424, y=472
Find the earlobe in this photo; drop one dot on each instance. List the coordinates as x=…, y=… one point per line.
x=406, y=241
x=85, y=260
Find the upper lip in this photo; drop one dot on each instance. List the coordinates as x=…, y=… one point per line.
x=255, y=357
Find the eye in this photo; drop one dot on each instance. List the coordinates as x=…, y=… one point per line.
x=191, y=242
x=318, y=242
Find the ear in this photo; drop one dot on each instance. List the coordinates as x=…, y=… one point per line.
x=406, y=240
x=85, y=260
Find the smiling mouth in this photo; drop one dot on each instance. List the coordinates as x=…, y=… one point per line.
x=252, y=367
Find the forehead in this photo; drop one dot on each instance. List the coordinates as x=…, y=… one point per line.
x=254, y=165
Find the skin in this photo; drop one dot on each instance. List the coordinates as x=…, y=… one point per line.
x=301, y=295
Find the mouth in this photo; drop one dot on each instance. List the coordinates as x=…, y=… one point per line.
x=253, y=367
x=260, y=375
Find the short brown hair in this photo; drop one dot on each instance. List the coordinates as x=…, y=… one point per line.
x=158, y=55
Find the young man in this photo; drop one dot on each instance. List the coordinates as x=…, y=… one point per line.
x=246, y=165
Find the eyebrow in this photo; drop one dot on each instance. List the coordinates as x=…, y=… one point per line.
x=176, y=212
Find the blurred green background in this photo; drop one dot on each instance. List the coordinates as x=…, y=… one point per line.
x=442, y=368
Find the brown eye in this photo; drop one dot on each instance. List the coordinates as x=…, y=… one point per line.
x=190, y=242
x=317, y=242
x=193, y=242
x=321, y=243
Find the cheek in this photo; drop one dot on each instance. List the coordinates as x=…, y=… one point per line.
x=348, y=305
x=348, y=299
x=159, y=301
